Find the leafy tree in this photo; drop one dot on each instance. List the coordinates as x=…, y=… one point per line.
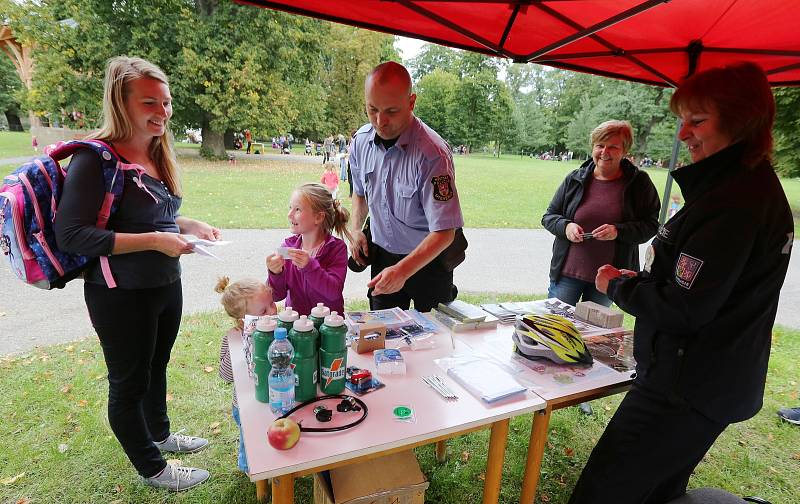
x=433, y=57
x=787, y=124
x=436, y=100
x=10, y=86
x=353, y=52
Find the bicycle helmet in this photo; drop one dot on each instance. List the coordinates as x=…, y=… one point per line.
x=549, y=336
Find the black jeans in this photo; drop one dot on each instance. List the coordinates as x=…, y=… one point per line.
x=427, y=287
x=137, y=329
x=647, y=452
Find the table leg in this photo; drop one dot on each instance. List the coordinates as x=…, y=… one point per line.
x=533, y=463
x=494, y=462
x=262, y=490
x=441, y=451
x=283, y=489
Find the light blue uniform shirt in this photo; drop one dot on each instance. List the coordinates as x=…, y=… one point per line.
x=410, y=188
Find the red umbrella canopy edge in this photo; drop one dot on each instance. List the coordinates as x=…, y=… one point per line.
x=656, y=42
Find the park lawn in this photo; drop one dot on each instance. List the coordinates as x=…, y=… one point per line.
x=505, y=192
x=16, y=144
x=58, y=447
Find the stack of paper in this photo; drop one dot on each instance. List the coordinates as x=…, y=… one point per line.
x=463, y=312
x=486, y=380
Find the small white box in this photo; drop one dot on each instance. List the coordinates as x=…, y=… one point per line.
x=599, y=315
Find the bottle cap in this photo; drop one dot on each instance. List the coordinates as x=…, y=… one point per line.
x=288, y=315
x=320, y=311
x=303, y=324
x=280, y=333
x=334, y=320
x=266, y=324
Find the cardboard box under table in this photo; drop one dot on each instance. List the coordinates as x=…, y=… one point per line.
x=393, y=479
x=380, y=434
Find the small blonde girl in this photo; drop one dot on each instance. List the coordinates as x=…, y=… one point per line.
x=315, y=269
x=240, y=298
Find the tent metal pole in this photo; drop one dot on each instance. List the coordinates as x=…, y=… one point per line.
x=673, y=160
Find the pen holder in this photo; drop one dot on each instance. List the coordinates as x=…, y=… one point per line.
x=371, y=336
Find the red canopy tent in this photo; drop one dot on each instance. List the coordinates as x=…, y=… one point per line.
x=657, y=42
x=652, y=41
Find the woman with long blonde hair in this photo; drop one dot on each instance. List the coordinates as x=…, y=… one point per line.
x=137, y=321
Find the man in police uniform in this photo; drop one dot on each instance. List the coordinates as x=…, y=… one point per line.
x=403, y=176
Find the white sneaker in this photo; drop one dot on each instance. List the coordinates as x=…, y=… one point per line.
x=177, y=478
x=181, y=443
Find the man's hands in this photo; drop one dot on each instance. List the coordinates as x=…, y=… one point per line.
x=388, y=281
x=606, y=273
x=359, y=248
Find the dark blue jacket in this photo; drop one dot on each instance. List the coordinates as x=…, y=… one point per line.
x=704, y=310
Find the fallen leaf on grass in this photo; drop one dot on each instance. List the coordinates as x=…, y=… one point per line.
x=465, y=456
x=796, y=456
x=175, y=462
x=83, y=403
x=770, y=437
x=545, y=498
x=66, y=389
x=23, y=500
x=569, y=452
x=772, y=470
x=214, y=425
x=119, y=489
x=607, y=408
x=208, y=369
x=12, y=480
x=70, y=348
x=793, y=395
x=169, y=397
x=482, y=476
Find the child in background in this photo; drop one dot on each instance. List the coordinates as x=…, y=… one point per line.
x=240, y=298
x=35, y=144
x=330, y=179
x=317, y=260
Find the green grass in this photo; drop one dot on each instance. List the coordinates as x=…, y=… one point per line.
x=56, y=396
x=509, y=192
x=15, y=144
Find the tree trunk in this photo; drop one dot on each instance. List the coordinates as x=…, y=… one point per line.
x=213, y=144
x=14, y=124
x=228, y=140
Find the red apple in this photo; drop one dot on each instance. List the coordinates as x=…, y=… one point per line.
x=283, y=434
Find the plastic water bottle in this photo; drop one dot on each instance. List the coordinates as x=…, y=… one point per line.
x=281, y=376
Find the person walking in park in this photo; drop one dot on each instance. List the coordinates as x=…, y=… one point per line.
x=137, y=322
x=403, y=176
x=705, y=301
x=248, y=138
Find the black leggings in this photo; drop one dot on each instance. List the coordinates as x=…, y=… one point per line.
x=137, y=329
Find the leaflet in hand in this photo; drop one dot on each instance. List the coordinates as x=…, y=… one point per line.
x=200, y=246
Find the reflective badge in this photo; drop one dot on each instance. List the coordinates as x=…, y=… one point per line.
x=649, y=257
x=442, y=190
x=106, y=155
x=788, y=247
x=686, y=270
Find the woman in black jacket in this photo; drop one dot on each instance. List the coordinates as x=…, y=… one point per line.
x=706, y=299
x=600, y=214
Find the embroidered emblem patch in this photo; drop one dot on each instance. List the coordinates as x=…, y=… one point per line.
x=686, y=270
x=649, y=257
x=442, y=190
x=788, y=247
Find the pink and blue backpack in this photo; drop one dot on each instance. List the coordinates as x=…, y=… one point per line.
x=28, y=202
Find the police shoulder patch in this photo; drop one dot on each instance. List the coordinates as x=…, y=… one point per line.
x=686, y=270
x=442, y=188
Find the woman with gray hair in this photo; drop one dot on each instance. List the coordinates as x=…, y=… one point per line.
x=599, y=215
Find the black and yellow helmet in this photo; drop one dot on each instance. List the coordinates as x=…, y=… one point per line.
x=549, y=336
